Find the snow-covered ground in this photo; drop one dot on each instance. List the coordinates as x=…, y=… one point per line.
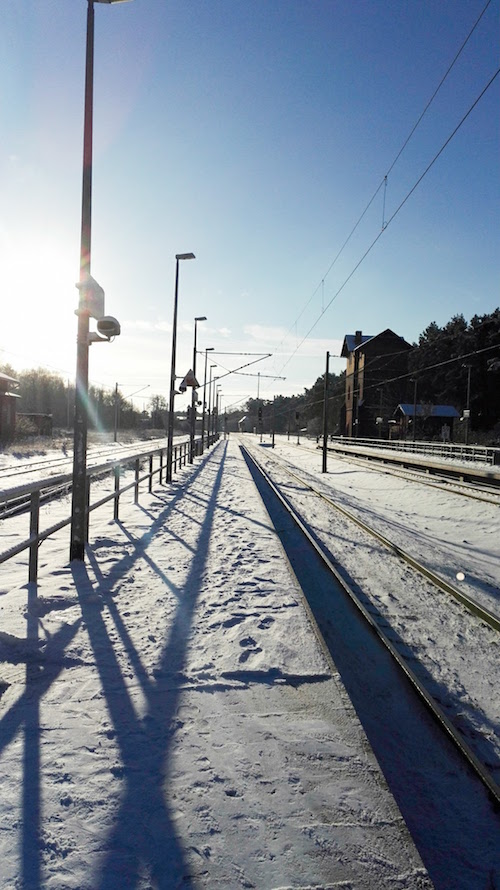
x=456, y=537
x=170, y=719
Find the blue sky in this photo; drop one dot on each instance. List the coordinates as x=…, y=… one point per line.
x=252, y=133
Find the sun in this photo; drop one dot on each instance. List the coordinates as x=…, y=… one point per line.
x=38, y=282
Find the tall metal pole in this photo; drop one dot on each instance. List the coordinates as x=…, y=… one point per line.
x=192, y=425
x=170, y=429
x=115, y=436
x=469, y=368
x=78, y=537
x=214, y=407
x=209, y=420
x=203, y=415
x=193, y=399
x=218, y=407
x=325, y=413
x=415, y=407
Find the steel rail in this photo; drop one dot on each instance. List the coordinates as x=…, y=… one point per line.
x=439, y=715
x=472, y=490
x=474, y=607
x=442, y=483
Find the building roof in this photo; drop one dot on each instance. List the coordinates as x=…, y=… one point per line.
x=6, y=382
x=7, y=379
x=350, y=346
x=427, y=410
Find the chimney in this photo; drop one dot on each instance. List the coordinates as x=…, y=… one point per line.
x=357, y=338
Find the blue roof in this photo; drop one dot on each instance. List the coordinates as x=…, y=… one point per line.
x=431, y=411
x=350, y=341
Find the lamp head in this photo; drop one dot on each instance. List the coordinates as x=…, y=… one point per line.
x=109, y=327
x=185, y=256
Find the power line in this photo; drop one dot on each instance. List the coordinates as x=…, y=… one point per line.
x=339, y=382
x=383, y=184
x=436, y=91
x=401, y=205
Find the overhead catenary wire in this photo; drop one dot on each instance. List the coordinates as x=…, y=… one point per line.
x=394, y=214
x=382, y=184
x=340, y=380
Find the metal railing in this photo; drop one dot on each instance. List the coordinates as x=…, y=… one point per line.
x=33, y=491
x=473, y=453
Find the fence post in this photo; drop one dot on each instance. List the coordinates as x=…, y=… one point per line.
x=87, y=511
x=150, y=483
x=116, y=471
x=136, y=487
x=161, y=467
x=34, y=528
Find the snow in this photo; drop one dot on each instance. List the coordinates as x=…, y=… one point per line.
x=449, y=534
x=170, y=718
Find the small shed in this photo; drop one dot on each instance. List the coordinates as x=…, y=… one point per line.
x=41, y=424
x=432, y=421
x=8, y=399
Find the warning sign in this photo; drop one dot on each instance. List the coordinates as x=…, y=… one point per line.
x=189, y=380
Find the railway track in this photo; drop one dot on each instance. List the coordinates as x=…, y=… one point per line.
x=476, y=491
x=59, y=465
x=465, y=721
x=55, y=473
x=476, y=608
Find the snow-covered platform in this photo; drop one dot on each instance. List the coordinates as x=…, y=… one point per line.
x=172, y=721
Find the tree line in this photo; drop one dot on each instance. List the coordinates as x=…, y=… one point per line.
x=44, y=392
x=457, y=364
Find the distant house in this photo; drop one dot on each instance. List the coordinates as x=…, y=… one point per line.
x=376, y=381
x=432, y=421
x=8, y=400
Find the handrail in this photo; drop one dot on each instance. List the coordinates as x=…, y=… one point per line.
x=478, y=453
x=33, y=490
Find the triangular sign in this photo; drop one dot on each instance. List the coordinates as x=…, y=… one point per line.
x=189, y=380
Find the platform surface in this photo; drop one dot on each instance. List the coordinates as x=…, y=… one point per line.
x=172, y=720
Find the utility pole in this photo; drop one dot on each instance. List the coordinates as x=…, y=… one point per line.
x=116, y=414
x=325, y=413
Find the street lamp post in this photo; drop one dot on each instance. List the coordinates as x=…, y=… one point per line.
x=218, y=402
x=203, y=415
x=78, y=537
x=209, y=420
x=170, y=432
x=193, y=398
x=214, y=408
